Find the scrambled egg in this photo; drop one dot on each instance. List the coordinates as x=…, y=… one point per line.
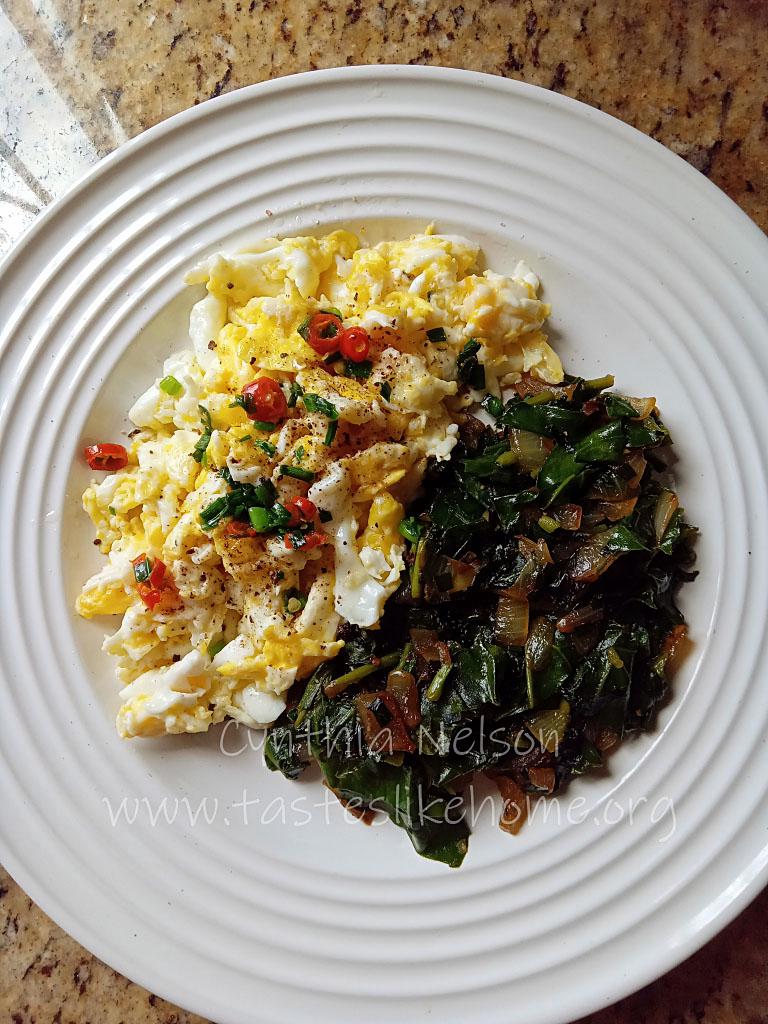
x=234, y=638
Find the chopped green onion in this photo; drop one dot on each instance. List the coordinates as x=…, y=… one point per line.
x=262, y=493
x=198, y=452
x=540, y=398
x=265, y=447
x=314, y=403
x=294, y=601
x=418, y=564
x=214, y=646
x=437, y=334
x=297, y=473
x=263, y=425
x=112, y=510
x=599, y=383
x=548, y=524
x=247, y=437
x=333, y=311
x=295, y=394
x=303, y=329
x=411, y=529
x=614, y=657
x=280, y=515
x=142, y=570
x=493, y=405
x=170, y=385
x=336, y=686
x=324, y=515
x=214, y=512
x=300, y=453
x=468, y=369
x=330, y=434
x=260, y=518
x=361, y=370
x=435, y=689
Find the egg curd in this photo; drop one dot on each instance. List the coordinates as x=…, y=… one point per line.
x=249, y=603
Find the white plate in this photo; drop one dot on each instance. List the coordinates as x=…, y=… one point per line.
x=654, y=275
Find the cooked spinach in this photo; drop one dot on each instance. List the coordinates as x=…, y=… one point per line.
x=535, y=623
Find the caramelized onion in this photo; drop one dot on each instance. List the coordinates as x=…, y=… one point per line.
x=579, y=617
x=512, y=620
x=666, y=505
x=515, y=809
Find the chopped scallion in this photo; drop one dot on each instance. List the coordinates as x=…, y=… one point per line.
x=260, y=518
x=170, y=385
x=314, y=403
x=410, y=528
x=330, y=434
x=297, y=473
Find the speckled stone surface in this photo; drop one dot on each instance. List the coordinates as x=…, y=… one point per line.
x=78, y=78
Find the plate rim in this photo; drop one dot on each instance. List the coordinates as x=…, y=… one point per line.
x=46, y=898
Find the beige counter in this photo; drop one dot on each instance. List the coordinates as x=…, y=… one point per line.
x=78, y=78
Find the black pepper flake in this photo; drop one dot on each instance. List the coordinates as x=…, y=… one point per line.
x=211, y=344
x=230, y=285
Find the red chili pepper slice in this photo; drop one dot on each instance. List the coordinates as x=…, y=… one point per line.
x=265, y=400
x=151, y=596
x=108, y=457
x=236, y=528
x=323, y=333
x=157, y=575
x=302, y=510
x=311, y=540
x=354, y=344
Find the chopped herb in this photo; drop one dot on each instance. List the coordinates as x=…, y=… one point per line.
x=297, y=473
x=300, y=453
x=214, y=512
x=361, y=370
x=268, y=428
x=333, y=312
x=247, y=437
x=295, y=394
x=260, y=518
x=469, y=370
x=294, y=601
x=198, y=452
x=386, y=390
x=330, y=434
x=112, y=510
x=314, y=403
x=216, y=645
x=548, y=524
x=265, y=446
x=170, y=385
x=411, y=529
x=142, y=570
x=303, y=329
x=493, y=405
x=437, y=334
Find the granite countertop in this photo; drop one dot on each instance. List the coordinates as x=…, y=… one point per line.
x=80, y=78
